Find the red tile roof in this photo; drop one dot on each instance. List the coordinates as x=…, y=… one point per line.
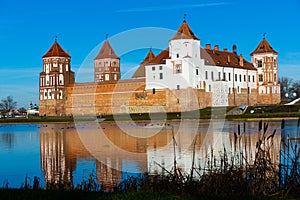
x=106, y=51
x=56, y=51
x=140, y=72
x=184, y=32
x=161, y=57
x=211, y=57
x=224, y=59
x=150, y=56
x=264, y=47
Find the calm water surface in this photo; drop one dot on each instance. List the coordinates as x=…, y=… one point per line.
x=111, y=151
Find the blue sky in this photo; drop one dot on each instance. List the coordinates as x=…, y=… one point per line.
x=28, y=29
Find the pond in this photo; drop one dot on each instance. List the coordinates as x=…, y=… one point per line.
x=113, y=151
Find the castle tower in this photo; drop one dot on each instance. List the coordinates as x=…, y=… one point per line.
x=265, y=59
x=54, y=78
x=184, y=56
x=106, y=65
x=140, y=72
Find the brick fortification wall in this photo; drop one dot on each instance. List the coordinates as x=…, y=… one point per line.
x=254, y=98
x=52, y=107
x=130, y=97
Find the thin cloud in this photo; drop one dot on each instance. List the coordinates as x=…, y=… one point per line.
x=174, y=7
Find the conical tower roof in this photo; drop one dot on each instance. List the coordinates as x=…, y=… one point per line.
x=140, y=72
x=150, y=56
x=264, y=47
x=56, y=51
x=184, y=32
x=106, y=51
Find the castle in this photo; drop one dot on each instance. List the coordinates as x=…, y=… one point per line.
x=182, y=77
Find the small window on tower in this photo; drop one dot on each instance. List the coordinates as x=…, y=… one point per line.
x=259, y=63
x=260, y=78
x=177, y=55
x=153, y=68
x=197, y=71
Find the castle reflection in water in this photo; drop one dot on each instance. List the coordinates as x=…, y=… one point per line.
x=113, y=147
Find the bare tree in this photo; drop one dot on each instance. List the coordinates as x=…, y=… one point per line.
x=8, y=104
x=285, y=85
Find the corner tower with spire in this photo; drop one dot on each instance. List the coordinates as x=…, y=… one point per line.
x=106, y=65
x=265, y=60
x=54, y=78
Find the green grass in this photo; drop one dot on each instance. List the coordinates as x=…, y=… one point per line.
x=265, y=111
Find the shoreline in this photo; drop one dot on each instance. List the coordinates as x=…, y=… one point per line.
x=11, y=121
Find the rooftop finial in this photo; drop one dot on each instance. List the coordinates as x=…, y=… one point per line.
x=264, y=35
x=184, y=17
x=106, y=36
x=55, y=38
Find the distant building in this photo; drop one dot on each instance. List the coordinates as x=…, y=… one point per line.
x=32, y=109
x=182, y=77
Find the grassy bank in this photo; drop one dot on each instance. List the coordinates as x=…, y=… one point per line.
x=266, y=111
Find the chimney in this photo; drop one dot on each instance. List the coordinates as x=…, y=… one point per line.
x=216, y=48
x=207, y=46
x=234, y=49
x=241, y=60
x=225, y=49
x=228, y=59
